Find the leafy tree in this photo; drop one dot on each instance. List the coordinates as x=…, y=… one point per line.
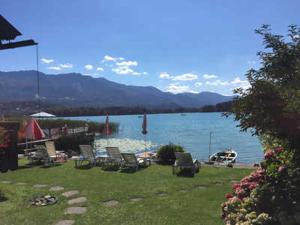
x=271, y=104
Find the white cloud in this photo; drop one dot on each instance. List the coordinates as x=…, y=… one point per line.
x=165, y=75
x=66, y=65
x=54, y=68
x=121, y=66
x=100, y=69
x=123, y=70
x=237, y=82
x=217, y=83
x=198, y=84
x=177, y=88
x=209, y=76
x=108, y=58
x=47, y=61
x=88, y=67
x=127, y=63
x=182, y=77
x=185, y=77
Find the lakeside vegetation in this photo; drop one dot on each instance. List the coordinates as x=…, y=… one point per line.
x=27, y=108
x=187, y=200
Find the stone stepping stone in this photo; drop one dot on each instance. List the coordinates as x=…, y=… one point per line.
x=6, y=182
x=77, y=200
x=70, y=194
x=21, y=183
x=56, y=188
x=40, y=185
x=162, y=194
x=136, y=199
x=75, y=210
x=183, y=191
x=111, y=203
x=65, y=222
x=200, y=186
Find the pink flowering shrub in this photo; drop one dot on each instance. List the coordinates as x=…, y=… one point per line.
x=269, y=195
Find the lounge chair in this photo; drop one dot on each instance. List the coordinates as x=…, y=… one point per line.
x=87, y=155
x=54, y=156
x=131, y=162
x=114, y=155
x=185, y=164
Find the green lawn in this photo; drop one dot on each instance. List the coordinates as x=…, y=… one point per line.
x=199, y=204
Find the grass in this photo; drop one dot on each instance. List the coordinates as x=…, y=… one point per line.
x=200, y=204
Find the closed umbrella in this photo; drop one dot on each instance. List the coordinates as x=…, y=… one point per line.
x=107, y=128
x=144, y=130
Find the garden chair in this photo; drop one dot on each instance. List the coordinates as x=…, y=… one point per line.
x=185, y=163
x=114, y=155
x=87, y=155
x=131, y=162
x=55, y=156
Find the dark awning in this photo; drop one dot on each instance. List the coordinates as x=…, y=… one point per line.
x=7, y=31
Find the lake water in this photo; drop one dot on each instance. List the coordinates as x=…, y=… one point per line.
x=191, y=131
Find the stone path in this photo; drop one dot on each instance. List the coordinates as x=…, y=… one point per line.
x=56, y=188
x=21, y=183
x=6, y=182
x=40, y=185
x=77, y=200
x=136, y=199
x=70, y=194
x=111, y=203
x=76, y=210
x=65, y=222
x=162, y=194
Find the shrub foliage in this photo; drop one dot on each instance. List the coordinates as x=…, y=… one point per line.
x=166, y=154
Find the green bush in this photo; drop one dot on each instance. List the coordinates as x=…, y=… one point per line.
x=166, y=154
x=70, y=143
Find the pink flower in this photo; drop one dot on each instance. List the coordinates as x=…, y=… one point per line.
x=228, y=196
x=278, y=150
x=269, y=154
x=281, y=169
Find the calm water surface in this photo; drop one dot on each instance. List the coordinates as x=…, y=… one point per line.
x=191, y=131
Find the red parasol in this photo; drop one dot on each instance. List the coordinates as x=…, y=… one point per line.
x=33, y=131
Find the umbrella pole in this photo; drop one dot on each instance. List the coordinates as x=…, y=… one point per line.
x=145, y=144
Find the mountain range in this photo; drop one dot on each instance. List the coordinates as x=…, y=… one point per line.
x=74, y=89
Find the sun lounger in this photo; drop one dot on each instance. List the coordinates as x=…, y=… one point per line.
x=185, y=163
x=87, y=155
x=55, y=156
x=131, y=162
x=114, y=155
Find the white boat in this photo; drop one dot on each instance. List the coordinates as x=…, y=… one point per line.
x=226, y=156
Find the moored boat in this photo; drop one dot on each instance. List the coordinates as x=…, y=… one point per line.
x=227, y=156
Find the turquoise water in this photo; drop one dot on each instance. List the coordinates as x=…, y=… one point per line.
x=191, y=131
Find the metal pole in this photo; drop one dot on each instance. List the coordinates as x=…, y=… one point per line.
x=209, y=147
x=38, y=78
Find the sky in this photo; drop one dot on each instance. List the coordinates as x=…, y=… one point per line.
x=174, y=45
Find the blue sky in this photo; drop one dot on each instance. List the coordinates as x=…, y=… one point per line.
x=174, y=45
